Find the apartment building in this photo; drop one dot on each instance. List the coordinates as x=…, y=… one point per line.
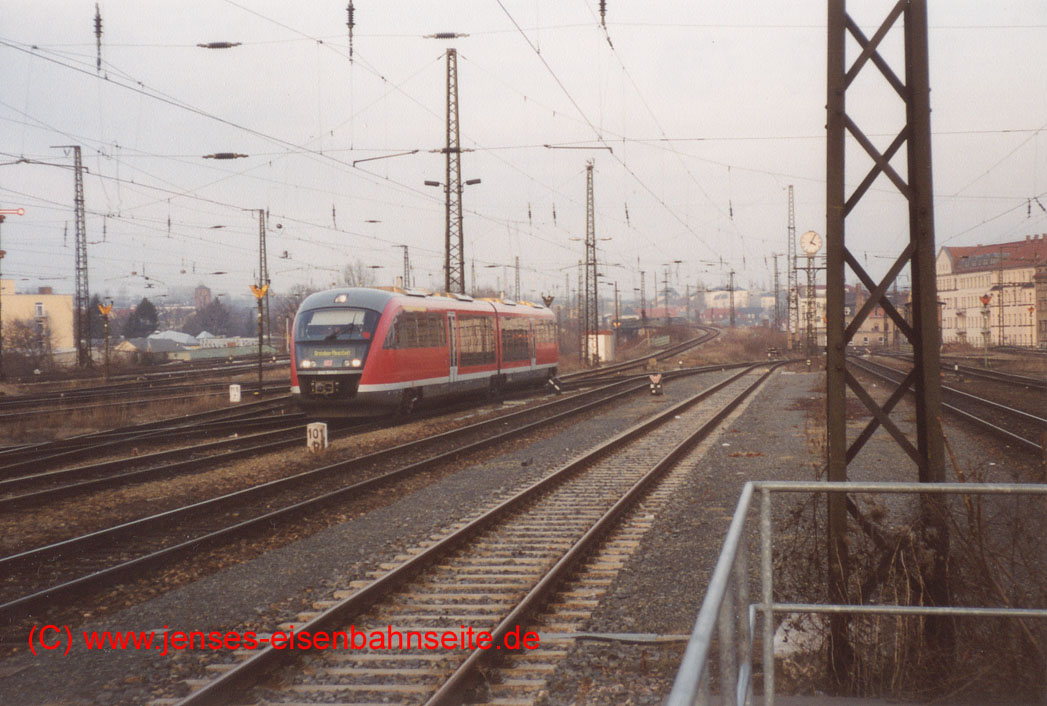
x=988, y=292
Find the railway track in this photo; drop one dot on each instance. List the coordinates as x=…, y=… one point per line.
x=67, y=569
x=36, y=489
x=997, y=376
x=180, y=371
x=42, y=455
x=1018, y=427
x=572, y=380
x=21, y=408
x=492, y=573
x=28, y=477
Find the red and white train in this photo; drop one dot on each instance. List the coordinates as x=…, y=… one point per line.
x=362, y=351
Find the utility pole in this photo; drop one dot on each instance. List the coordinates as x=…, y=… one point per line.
x=687, y=300
x=793, y=325
x=407, y=268
x=665, y=295
x=517, y=297
x=351, y=24
x=730, y=290
x=582, y=305
x=643, y=300
x=263, y=276
x=915, y=186
x=592, y=315
x=81, y=301
x=454, y=247
x=777, y=303
x=98, y=38
x=808, y=314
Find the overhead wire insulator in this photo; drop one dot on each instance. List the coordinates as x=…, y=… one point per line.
x=603, y=13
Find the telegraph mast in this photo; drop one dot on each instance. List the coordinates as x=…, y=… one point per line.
x=793, y=324
x=82, y=298
x=454, y=249
x=926, y=449
x=592, y=316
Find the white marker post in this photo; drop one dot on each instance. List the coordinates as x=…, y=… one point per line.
x=316, y=437
x=234, y=393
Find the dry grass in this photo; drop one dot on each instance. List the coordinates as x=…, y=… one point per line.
x=62, y=423
x=734, y=346
x=995, y=558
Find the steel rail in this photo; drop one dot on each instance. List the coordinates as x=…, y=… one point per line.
x=245, y=675
x=37, y=412
x=34, y=466
x=145, y=429
x=76, y=587
x=185, y=370
x=1022, y=442
x=270, y=441
x=987, y=374
x=710, y=334
x=453, y=687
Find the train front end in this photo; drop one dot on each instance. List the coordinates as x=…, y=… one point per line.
x=333, y=334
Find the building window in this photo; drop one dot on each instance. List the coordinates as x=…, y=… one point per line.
x=39, y=310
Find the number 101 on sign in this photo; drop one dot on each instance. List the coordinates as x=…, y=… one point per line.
x=316, y=437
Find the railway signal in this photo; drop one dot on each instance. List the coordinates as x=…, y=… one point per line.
x=259, y=294
x=105, y=309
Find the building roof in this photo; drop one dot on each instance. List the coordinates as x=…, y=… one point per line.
x=986, y=258
x=177, y=336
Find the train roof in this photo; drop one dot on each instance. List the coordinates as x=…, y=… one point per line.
x=377, y=298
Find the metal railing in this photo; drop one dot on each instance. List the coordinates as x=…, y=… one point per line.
x=735, y=628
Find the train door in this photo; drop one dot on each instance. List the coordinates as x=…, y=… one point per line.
x=452, y=345
x=534, y=346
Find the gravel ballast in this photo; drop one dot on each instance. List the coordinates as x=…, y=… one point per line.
x=260, y=594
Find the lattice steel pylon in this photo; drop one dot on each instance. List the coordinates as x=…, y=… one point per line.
x=793, y=323
x=454, y=249
x=592, y=314
x=82, y=318
x=927, y=451
x=263, y=274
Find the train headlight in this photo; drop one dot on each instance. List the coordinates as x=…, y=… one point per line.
x=308, y=364
x=356, y=362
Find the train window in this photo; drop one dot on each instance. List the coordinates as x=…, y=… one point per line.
x=336, y=324
x=544, y=332
x=476, y=340
x=516, y=339
x=418, y=329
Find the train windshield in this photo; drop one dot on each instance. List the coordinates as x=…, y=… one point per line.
x=336, y=325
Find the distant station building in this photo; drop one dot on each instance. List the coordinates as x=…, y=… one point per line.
x=987, y=293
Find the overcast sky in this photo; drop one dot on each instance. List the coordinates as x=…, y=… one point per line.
x=710, y=111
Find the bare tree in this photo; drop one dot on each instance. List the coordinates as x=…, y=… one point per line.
x=29, y=342
x=357, y=274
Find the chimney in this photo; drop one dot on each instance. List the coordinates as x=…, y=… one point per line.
x=45, y=290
